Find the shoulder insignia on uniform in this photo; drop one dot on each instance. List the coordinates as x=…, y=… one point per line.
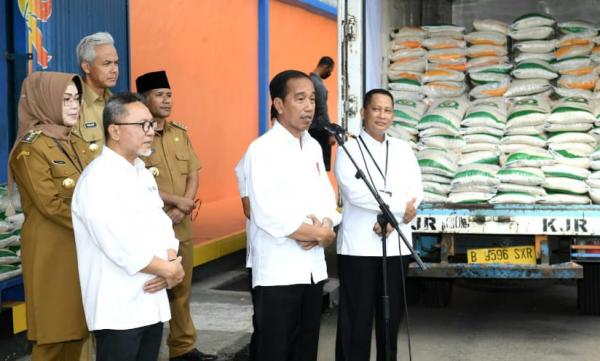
x=179, y=125
x=23, y=153
x=31, y=137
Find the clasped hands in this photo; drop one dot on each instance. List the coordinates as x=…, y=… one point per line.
x=324, y=234
x=171, y=276
x=183, y=207
x=410, y=213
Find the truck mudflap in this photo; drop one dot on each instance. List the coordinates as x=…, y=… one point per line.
x=566, y=270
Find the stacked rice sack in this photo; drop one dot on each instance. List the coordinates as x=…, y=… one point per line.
x=488, y=65
x=407, y=63
x=523, y=152
x=533, y=51
x=10, y=235
x=574, y=59
x=407, y=113
x=438, y=168
x=446, y=61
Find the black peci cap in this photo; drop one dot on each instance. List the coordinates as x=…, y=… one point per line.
x=153, y=80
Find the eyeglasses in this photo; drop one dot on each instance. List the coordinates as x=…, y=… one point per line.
x=146, y=125
x=68, y=100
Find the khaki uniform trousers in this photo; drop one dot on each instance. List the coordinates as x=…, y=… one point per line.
x=63, y=351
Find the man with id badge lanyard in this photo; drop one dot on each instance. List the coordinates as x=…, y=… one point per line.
x=392, y=168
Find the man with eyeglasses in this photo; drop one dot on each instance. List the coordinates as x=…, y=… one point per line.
x=126, y=247
x=175, y=168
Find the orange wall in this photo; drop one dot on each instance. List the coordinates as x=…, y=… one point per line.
x=298, y=39
x=209, y=50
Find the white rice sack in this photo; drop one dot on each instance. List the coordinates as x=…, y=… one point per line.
x=593, y=183
x=403, y=131
x=531, y=140
x=430, y=132
x=536, y=46
x=479, y=51
x=501, y=68
x=566, y=52
x=447, y=56
x=532, y=20
x=572, y=110
x=462, y=188
x=435, y=74
x=571, y=158
x=595, y=164
x=444, y=89
x=469, y=197
x=595, y=195
x=407, y=53
x=438, y=188
x=429, y=197
x=406, y=42
x=397, y=75
x=568, y=93
x=564, y=185
x=489, y=90
x=453, y=143
x=482, y=138
x=595, y=155
x=518, y=188
x=527, y=130
x=571, y=137
x=405, y=84
x=566, y=171
x=534, y=69
x=576, y=26
x=513, y=198
x=407, y=95
x=435, y=178
x=482, y=130
x=564, y=199
x=477, y=63
x=479, y=147
x=507, y=149
x=521, y=56
x=444, y=114
x=528, y=112
x=483, y=157
x=408, y=31
x=575, y=127
x=595, y=175
x=522, y=87
x=486, y=38
x=476, y=175
x=486, y=114
x=567, y=66
x=408, y=110
x=437, y=166
x=529, y=157
x=583, y=38
x=449, y=31
x=536, y=33
x=491, y=25
x=435, y=153
x=526, y=176
x=443, y=43
x=583, y=82
x=408, y=64
x=479, y=78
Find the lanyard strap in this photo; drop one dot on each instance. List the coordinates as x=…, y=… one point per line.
x=62, y=148
x=387, y=148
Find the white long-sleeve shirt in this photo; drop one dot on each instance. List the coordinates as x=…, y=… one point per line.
x=241, y=173
x=287, y=182
x=119, y=227
x=355, y=235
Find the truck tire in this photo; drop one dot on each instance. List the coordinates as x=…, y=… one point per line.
x=436, y=292
x=588, y=289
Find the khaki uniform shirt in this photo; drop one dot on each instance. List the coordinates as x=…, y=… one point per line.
x=90, y=125
x=170, y=163
x=46, y=178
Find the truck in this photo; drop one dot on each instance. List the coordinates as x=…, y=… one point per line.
x=472, y=241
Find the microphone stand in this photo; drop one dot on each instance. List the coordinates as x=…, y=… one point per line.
x=386, y=217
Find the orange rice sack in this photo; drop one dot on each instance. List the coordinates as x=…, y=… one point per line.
x=584, y=82
x=480, y=51
x=573, y=50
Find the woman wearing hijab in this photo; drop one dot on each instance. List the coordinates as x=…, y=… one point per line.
x=46, y=162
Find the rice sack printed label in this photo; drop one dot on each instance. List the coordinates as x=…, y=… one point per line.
x=486, y=114
x=536, y=46
x=444, y=114
x=529, y=157
x=408, y=110
x=535, y=33
x=528, y=112
x=530, y=20
x=491, y=25
x=483, y=157
x=527, y=176
x=566, y=171
x=522, y=87
x=534, y=69
x=518, y=188
x=564, y=185
x=561, y=198
x=513, y=198
x=476, y=175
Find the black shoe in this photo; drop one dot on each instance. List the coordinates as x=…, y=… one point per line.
x=194, y=355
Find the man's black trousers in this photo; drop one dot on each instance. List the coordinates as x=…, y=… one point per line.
x=361, y=287
x=137, y=344
x=287, y=322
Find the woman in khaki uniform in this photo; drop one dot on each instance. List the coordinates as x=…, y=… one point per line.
x=46, y=162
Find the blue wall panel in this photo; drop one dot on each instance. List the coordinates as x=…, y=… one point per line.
x=4, y=115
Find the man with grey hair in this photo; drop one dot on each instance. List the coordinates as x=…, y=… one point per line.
x=126, y=247
x=99, y=63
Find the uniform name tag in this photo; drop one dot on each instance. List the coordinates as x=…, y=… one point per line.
x=58, y=161
x=90, y=125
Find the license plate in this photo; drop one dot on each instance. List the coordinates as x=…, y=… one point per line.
x=506, y=255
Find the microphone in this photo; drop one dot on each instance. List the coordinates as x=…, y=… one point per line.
x=333, y=129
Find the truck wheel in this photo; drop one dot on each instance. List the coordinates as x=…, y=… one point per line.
x=588, y=289
x=436, y=292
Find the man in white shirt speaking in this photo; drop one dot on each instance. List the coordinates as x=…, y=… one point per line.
x=392, y=168
x=126, y=248
x=293, y=207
